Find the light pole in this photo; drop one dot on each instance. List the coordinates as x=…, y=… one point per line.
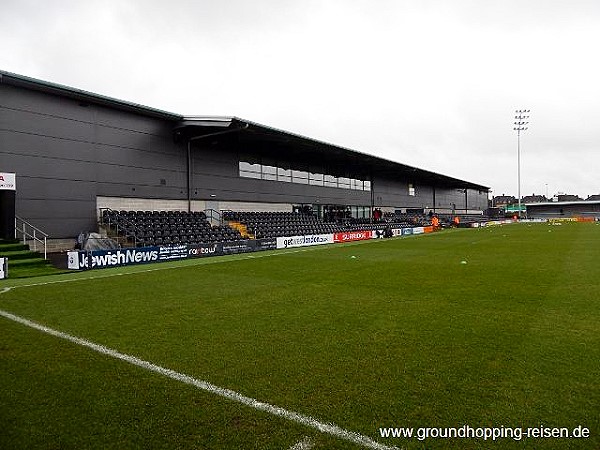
x=520, y=122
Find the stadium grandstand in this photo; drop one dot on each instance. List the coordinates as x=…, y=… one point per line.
x=579, y=209
x=84, y=162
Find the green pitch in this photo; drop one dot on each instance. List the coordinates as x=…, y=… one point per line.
x=496, y=327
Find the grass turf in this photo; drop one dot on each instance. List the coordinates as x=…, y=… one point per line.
x=404, y=334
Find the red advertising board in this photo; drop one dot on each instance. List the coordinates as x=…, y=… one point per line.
x=352, y=236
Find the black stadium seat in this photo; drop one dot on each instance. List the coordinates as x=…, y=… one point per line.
x=165, y=227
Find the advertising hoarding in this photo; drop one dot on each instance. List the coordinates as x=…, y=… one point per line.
x=304, y=241
x=352, y=236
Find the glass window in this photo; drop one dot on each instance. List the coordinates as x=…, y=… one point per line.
x=330, y=181
x=250, y=175
x=344, y=182
x=249, y=167
x=281, y=172
x=284, y=175
x=249, y=170
x=411, y=190
x=316, y=179
x=249, y=158
x=299, y=176
x=269, y=173
x=357, y=184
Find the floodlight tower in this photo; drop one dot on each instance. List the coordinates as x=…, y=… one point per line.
x=521, y=116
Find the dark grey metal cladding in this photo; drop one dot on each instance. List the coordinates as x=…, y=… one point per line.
x=66, y=154
x=68, y=148
x=216, y=172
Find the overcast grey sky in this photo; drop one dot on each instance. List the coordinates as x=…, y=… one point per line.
x=429, y=83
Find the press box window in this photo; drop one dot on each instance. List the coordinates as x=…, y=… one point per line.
x=269, y=173
x=316, y=179
x=248, y=170
x=344, y=182
x=330, y=181
x=299, y=176
x=284, y=175
x=411, y=190
x=356, y=184
x=274, y=172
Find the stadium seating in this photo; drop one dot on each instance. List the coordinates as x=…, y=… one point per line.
x=148, y=228
x=278, y=224
x=387, y=221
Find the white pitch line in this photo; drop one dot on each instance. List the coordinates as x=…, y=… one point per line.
x=328, y=428
x=304, y=444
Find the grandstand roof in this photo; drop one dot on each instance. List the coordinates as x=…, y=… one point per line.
x=268, y=140
x=272, y=142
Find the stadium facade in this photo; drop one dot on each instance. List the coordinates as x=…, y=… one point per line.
x=75, y=152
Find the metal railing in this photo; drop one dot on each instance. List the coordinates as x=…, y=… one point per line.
x=24, y=230
x=121, y=224
x=214, y=217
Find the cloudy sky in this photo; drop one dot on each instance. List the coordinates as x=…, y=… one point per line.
x=429, y=83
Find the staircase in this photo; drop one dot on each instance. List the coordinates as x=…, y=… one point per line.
x=241, y=228
x=23, y=262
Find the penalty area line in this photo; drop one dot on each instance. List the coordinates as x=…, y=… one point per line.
x=327, y=428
